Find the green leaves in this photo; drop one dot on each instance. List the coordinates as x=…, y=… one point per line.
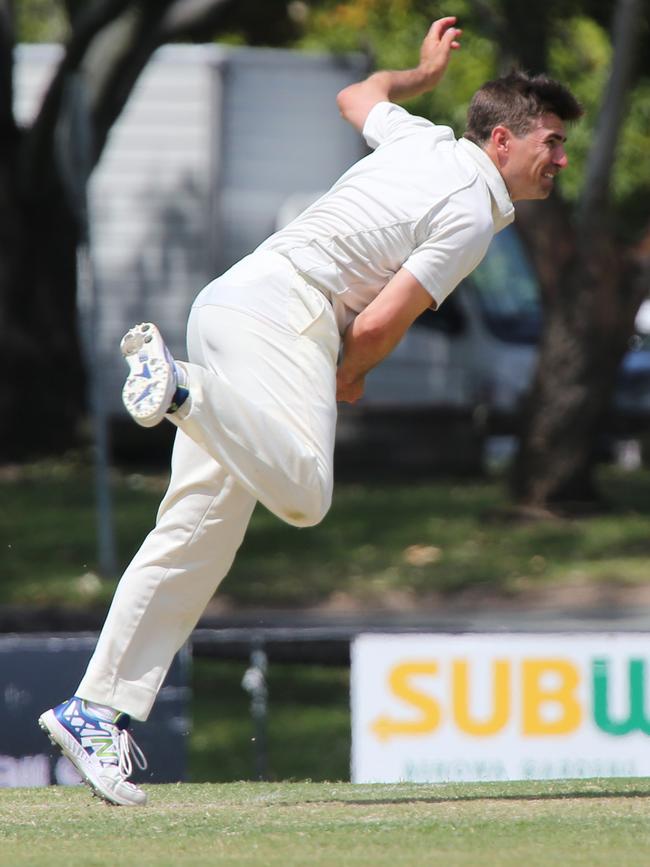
x=40, y=21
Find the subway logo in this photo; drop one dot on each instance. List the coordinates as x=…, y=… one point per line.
x=544, y=696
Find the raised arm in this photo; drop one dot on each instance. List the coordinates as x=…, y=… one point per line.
x=377, y=330
x=355, y=101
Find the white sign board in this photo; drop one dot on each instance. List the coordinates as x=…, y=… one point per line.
x=435, y=708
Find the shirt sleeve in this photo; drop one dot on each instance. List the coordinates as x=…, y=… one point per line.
x=451, y=252
x=388, y=122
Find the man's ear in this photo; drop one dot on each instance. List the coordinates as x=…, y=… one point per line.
x=500, y=139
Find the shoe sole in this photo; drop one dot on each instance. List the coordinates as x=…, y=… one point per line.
x=151, y=383
x=72, y=750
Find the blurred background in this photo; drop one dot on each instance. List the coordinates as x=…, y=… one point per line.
x=495, y=476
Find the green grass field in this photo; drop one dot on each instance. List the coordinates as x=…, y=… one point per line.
x=378, y=544
x=381, y=545
x=587, y=823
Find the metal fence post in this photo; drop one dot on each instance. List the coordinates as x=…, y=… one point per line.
x=254, y=682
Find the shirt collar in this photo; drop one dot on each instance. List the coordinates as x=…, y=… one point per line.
x=503, y=212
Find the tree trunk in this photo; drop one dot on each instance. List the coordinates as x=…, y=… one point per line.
x=590, y=294
x=590, y=297
x=41, y=390
x=42, y=386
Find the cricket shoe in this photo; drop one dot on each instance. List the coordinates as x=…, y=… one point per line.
x=151, y=390
x=103, y=752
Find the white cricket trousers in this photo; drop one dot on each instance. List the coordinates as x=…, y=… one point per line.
x=263, y=347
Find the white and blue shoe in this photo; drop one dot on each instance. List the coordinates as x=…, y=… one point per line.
x=151, y=390
x=103, y=752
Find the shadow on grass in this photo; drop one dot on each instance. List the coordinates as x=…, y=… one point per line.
x=428, y=799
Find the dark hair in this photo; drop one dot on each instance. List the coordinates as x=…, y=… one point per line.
x=516, y=100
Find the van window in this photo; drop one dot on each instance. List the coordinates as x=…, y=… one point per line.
x=448, y=318
x=508, y=291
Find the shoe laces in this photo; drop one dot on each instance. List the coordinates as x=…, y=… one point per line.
x=128, y=752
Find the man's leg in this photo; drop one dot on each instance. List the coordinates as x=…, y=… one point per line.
x=201, y=523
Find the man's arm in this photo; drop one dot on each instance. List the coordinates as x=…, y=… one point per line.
x=375, y=332
x=356, y=101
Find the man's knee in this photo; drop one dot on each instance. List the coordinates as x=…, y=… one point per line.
x=309, y=515
x=300, y=519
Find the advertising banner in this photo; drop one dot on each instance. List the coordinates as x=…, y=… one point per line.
x=38, y=672
x=435, y=708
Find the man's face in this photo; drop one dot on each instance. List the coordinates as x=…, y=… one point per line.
x=535, y=159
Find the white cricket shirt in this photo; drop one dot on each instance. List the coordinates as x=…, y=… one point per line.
x=422, y=200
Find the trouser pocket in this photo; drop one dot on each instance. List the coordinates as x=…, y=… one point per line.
x=310, y=315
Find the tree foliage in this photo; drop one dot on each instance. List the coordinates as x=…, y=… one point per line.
x=41, y=21
x=571, y=41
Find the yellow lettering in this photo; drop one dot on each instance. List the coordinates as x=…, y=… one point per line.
x=429, y=711
x=461, y=702
x=536, y=696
